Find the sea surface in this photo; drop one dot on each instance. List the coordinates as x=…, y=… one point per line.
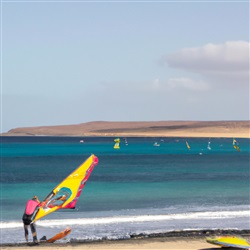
x=139, y=188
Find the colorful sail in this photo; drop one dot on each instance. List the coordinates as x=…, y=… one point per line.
x=67, y=193
x=229, y=241
x=236, y=145
x=117, y=143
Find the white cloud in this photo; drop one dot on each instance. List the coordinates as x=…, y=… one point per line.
x=228, y=62
x=187, y=83
x=175, y=85
x=212, y=57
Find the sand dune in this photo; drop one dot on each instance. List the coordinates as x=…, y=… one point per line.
x=239, y=129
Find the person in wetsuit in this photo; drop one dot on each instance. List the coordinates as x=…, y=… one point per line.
x=30, y=209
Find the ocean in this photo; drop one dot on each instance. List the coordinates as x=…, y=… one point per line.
x=137, y=189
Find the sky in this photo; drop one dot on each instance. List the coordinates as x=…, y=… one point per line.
x=70, y=62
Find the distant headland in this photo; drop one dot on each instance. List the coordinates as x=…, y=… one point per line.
x=227, y=129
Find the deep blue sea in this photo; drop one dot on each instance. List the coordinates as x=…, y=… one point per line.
x=139, y=188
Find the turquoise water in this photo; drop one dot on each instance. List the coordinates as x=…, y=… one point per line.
x=138, y=179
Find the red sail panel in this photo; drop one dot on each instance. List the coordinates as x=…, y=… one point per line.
x=72, y=204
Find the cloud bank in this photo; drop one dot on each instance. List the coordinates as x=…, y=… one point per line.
x=221, y=63
x=187, y=83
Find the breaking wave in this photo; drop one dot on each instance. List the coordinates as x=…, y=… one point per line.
x=133, y=219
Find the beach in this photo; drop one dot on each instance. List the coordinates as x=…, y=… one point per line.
x=175, y=240
x=170, y=244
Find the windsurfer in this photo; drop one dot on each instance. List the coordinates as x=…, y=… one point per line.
x=31, y=208
x=71, y=187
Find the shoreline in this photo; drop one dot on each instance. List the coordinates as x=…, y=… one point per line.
x=123, y=135
x=237, y=136
x=175, y=240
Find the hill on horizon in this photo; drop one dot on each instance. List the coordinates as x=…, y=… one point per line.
x=143, y=128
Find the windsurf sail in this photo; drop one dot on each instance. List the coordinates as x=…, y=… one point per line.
x=229, y=241
x=126, y=142
x=187, y=145
x=117, y=143
x=208, y=145
x=66, y=194
x=236, y=145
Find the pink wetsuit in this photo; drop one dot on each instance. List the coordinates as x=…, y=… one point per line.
x=31, y=207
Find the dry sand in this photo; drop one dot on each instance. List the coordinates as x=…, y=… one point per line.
x=140, y=244
x=226, y=129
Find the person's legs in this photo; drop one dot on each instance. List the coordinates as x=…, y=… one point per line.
x=26, y=232
x=33, y=230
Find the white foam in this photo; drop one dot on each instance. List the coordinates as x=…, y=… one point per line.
x=11, y=224
x=134, y=219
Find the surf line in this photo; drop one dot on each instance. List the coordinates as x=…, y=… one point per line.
x=146, y=218
x=140, y=218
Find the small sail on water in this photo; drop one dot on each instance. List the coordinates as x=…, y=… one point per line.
x=126, y=141
x=117, y=143
x=236, y=145
x=66, y=194
x=188, y=145
x=208, y=145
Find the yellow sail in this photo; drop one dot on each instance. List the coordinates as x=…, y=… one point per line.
x=117, y=143
x=67, y=193
x=187, y=145
x=229, y=241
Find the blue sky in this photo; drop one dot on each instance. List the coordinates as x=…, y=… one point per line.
x=69, y=62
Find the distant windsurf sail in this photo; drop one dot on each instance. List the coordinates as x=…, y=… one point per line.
x=117, y=143
x=234, y=142
x=66, y=194
x=187, y=145
x=208, y=145
x=236, y=145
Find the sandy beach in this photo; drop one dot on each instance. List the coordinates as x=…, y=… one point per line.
x=179, y=240
x=179, y=243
